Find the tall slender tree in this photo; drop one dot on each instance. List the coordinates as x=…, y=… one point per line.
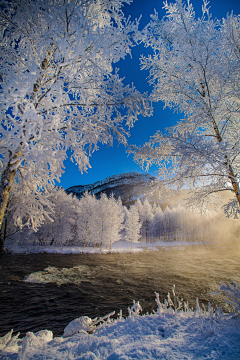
x=85, y=219
x=145, y=211
x=107, y=221
x=132, y=225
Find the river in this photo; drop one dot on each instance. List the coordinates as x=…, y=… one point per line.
x=96, y=284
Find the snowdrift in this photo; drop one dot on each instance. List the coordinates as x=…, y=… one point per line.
x=173, y=332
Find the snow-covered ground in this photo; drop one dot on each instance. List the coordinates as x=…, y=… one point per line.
x=118, y=247
x=167, y=334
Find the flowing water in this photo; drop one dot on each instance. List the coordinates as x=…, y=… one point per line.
x=60, y=288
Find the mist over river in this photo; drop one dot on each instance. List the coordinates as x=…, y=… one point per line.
x=60, y=288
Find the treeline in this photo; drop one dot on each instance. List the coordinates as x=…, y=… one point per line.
x=101, y=222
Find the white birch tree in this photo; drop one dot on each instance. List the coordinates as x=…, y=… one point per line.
x=85, y=226
x=157, y=222
x=195, y=70
x=115, y=220
x=59, y=92
x=64, y=218
x=132, y=225
x=107, y=221
x=57, y=231
x=145, y=211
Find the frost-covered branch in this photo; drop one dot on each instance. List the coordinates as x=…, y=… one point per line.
x=232, y=293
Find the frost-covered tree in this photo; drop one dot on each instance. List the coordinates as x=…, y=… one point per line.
x=184, y=224
x=145, y=211
x=56, y=231
x=195, y=69
x=169, y=224
x=157, y=222
x=107, y=221
x=59, y=92
x=132, y=224
x=115, y=221
x=64, y=217
x=85, y=219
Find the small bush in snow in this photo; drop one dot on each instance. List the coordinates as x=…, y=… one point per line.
x=232, y=293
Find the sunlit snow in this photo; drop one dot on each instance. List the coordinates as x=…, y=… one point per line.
x=121, y=246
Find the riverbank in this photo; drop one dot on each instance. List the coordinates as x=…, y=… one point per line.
x=167, y=334
x=121, y=246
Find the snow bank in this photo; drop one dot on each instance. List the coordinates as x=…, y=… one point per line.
x=173, y=332
x=121, y=246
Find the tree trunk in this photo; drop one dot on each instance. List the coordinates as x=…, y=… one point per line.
x=8, y=174
x=230, y=170
x=5, y=189
x=4, y=231
x=234, y=183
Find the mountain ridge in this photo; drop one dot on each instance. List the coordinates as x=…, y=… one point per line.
x=129, y=186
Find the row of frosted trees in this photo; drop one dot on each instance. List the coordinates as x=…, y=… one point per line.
x=101, y=222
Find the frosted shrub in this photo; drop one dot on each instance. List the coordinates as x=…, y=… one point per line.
x=232, y=293
x=207, y=320
x=169, y=305
x=135, y=309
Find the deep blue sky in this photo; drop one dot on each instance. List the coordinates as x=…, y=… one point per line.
x=114, y=160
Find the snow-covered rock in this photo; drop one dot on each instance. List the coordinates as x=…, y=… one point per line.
x=81, y=324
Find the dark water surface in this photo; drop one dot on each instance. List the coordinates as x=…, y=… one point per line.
x=100, y=284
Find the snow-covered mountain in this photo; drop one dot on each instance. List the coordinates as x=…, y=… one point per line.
x=129, y=186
